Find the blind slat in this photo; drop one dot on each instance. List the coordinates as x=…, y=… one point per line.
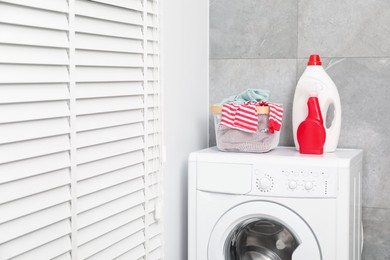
x=101, y=27
x=10, y=73
x=21, y=15
x=108, y=12
x=33, y=92
x=94, y=246
x=154, y=229
x=152, y=60
x=154, y=166
x=155, y=254
x=135, y=253
x=33, y=222
x=102, y=151
x=33, y=55
x=99, y=229
x=153, y=192
x=95, y=121
x=66, y=256
x=152, y=20
x=110, y=179
x=152, y=34
x=14, y=34
x=155, y=242
x=110, y=164
x=27, y=168
x=59, y=6
x=110, y=134
x=99, y=89
x=109, y=209
x=153, y=129
x=38, y=110
x=110, y=104
x=29, y=149
x=120, y=247
x=151, y=6
x=35, y=239
x=33, y=185
x=36, y=129
x=106, y=43
x=107, y=74
x=48, y=251
x=104, y=196
x=101, y=58
x=34, y=203
x=130, y=4
x=152, y=47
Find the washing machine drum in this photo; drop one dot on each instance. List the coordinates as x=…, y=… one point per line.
x=262, y=230
x=260, y=239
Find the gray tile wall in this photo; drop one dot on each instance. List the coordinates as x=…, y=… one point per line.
x=266, y=43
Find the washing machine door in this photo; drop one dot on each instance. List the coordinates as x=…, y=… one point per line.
x=262, y=230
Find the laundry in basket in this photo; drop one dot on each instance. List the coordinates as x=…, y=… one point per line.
x=247, y=127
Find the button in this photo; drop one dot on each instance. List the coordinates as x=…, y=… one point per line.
x=308, y=185
x=292, y=185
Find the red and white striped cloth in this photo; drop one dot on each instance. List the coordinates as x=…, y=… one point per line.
x=275, y=117
x=244, y=117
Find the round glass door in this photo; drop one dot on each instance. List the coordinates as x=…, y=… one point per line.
x=262, y=230
x=260, y=239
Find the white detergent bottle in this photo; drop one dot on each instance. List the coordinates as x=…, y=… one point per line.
x=315, y=80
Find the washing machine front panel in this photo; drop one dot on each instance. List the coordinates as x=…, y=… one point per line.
x=262, y=230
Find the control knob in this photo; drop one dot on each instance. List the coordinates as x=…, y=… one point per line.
x=292, y=185
x=308, y=185
x=265, y=183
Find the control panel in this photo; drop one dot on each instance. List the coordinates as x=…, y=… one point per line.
x=302, y=181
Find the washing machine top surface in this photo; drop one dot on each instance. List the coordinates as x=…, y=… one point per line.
x=281, y=154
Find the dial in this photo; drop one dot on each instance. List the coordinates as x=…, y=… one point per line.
x=308, y=185
x=265, y=183
x=292, y=184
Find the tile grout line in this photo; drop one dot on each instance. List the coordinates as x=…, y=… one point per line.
x=364, y=207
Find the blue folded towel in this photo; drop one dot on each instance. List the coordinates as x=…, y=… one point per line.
x=254, y=95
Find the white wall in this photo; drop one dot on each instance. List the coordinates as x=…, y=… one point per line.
x=185, y=109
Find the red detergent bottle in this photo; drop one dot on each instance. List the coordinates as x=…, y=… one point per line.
x=311, y=132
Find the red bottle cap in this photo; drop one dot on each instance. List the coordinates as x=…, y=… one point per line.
x=314, y=60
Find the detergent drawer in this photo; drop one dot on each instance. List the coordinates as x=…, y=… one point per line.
x=224, y=177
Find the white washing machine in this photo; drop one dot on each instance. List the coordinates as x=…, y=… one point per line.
x=279, y=205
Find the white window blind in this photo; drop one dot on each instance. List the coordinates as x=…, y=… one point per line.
x=79, y=130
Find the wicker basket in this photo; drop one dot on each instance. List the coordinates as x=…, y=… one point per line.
x=234, y=140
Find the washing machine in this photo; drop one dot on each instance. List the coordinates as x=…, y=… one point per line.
x=279, y=205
